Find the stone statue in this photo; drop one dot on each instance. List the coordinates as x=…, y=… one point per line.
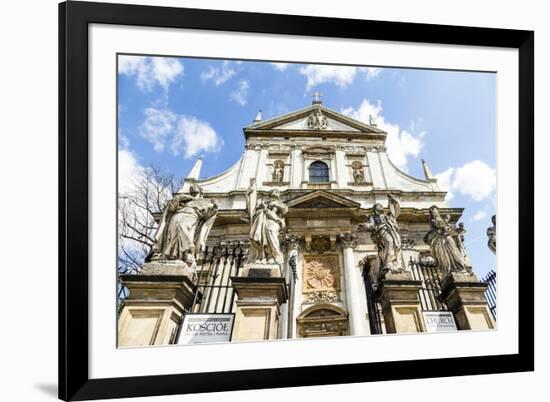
x=492, y=235
x=358, y=175
x=316, y=120
x=266, y=221
x=442, y=239
x=385, y=234
x=184, y=227
x=461, y=231
x=278, y=171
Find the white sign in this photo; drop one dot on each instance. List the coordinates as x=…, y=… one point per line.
x=206, y=328
x=439, y=321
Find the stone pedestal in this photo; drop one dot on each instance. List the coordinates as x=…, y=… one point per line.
x=260, y=292
x=465, y=297
x=159, y=296
x=398, y=295
x=261, y=270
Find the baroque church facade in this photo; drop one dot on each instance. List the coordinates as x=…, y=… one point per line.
x=328, y=170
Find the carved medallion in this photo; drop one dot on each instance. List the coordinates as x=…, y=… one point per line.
x=321, y=273
x=316, y=120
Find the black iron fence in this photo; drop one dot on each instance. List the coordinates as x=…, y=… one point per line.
x=491, y=292
x=425, y=270
x=216, y=266
x=373, y=306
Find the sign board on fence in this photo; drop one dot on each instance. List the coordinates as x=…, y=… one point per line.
x=206, y=328
x=439, y=321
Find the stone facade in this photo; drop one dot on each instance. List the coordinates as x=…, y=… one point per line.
x=330, y=170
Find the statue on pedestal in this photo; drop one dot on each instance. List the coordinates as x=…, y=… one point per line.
x=385, y=234
x=442, y=239
x=358, y=174
x=266, y=221
x=278, y=171
x=492, y=235
x=184, y=227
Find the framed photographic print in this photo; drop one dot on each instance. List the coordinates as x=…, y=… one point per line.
x=258, y=200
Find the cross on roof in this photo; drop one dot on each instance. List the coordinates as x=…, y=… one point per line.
x=316, y=97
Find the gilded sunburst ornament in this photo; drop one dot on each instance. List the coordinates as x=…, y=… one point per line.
x=319, y=276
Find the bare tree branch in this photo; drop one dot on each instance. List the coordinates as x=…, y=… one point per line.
x=136, y=223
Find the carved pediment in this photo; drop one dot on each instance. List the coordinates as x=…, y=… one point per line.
x=322, y=199
x=315, y=118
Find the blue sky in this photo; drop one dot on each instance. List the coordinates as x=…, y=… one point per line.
x=172, y=110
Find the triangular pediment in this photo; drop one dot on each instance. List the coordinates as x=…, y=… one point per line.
x=316, y=119
x=322, y=199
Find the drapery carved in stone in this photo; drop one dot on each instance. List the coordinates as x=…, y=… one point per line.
x=385, y=234
x=492, y=235
x=278, y=171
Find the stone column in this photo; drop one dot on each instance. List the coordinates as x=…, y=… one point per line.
x=356, y=306
x=465, y=297
x=260, y=293
x=398, y=295
x=159, y=296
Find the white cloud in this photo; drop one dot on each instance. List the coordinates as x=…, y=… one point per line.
x=240, y=94
x=157, y=126
x=341, y=76
x=444, y=180
x=129, y=171
x=401, y=144
x=186, y=135
x=218, y=75
x=123, y=140
x=193, y=136
x=479, y=215
x=150, y=71
x=474, y=179
x=371, y=72
x=280, y=66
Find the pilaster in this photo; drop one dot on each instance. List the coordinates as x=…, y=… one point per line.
x=356, y=306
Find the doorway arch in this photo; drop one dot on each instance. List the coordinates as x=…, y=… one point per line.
x=322, y=320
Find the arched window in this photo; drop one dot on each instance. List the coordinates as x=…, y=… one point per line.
x=318, y=172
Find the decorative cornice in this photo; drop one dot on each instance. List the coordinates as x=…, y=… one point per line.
x=348, y=240
x=293, y=242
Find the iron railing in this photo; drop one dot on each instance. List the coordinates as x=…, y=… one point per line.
x=425, y=270
x=373, y=306
x=217, y=265
x=491, y=292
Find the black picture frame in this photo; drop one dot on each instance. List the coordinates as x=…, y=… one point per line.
x=74, y=18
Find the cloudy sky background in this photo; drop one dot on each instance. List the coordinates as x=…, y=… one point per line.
x=171, y=110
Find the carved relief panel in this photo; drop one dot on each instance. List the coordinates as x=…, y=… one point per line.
x=358, y=170
x=277, y=169
x=321, y=278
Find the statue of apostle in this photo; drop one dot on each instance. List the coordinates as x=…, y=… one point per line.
x=184, y=227
x=444, y=246
x=385, y=234
x=492, y=235
x=266, y=222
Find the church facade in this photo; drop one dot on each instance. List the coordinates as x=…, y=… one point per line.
x=332, y=277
